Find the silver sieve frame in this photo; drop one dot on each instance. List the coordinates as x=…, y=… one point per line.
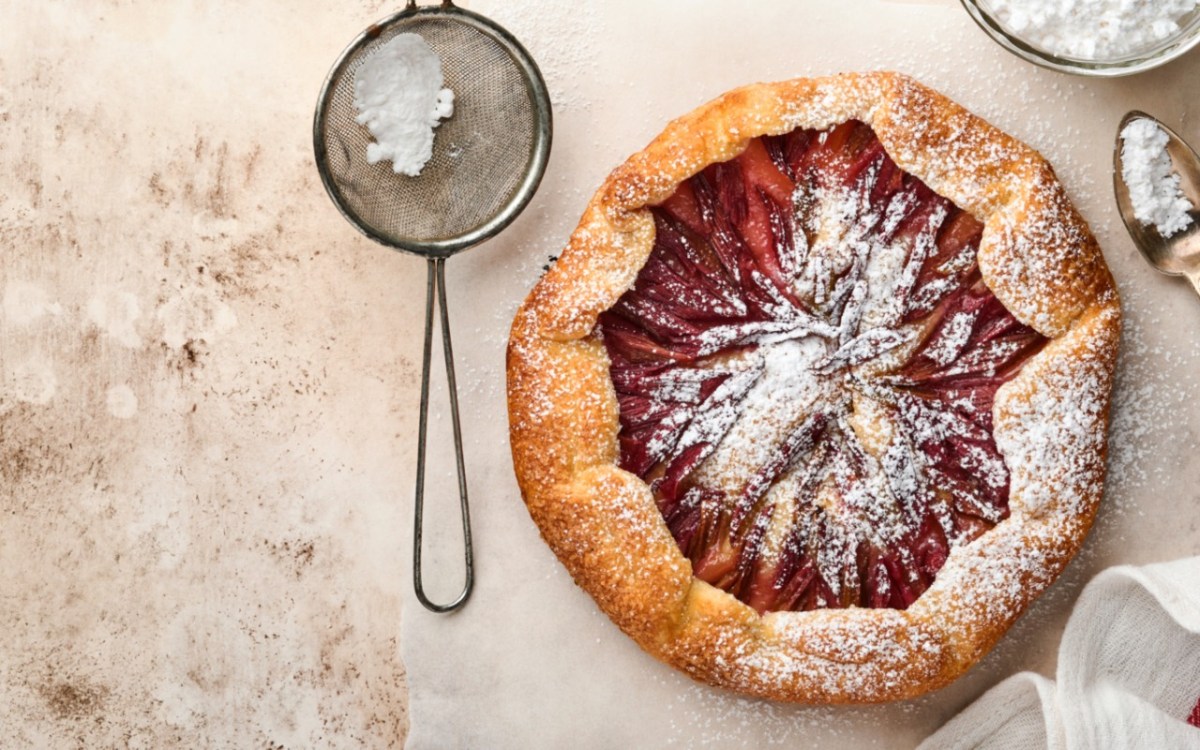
x=535, y=167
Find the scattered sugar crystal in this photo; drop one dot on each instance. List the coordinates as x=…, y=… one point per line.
x=399, y=97
x=1153, y=184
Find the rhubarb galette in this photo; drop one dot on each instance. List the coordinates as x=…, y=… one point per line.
x=814, y=402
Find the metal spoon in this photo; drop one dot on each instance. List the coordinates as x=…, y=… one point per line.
x=1179, y=254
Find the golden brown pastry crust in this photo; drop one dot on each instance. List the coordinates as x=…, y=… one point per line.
x=1038, y=257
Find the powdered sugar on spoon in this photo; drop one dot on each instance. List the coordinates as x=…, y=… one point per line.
x=1156, y=177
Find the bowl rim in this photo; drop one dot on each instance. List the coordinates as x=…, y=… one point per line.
x=1176, y=48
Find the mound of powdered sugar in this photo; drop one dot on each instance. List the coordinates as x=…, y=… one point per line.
x=399, y=97
x=1093, y=29
x=1153, y=185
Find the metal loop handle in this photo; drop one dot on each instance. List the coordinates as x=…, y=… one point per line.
x=437, y=270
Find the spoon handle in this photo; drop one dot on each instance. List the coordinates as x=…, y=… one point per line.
x=1194, y=277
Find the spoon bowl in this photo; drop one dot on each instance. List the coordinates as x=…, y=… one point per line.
x=1179, y=254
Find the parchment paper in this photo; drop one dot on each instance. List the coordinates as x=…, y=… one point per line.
x=531, y=662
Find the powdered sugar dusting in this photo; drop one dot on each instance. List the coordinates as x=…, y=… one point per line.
x=958, y=330
x=1057, y=417
x=833, y=339
x=1151, y=391
x=564, y=39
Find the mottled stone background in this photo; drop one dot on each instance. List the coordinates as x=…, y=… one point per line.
x=202, y=422
x=208, y=382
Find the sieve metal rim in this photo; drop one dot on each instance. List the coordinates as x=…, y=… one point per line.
x=535, y=169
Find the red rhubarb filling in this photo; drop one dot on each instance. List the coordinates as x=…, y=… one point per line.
x=805, y=369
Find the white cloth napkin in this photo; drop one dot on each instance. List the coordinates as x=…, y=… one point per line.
x=1128, y=673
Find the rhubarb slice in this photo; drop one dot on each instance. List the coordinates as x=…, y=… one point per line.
x=805, y=369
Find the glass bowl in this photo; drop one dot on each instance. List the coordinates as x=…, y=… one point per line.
x=1110, y=67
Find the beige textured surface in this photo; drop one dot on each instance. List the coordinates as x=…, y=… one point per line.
x=208, y=381
x=201, y=406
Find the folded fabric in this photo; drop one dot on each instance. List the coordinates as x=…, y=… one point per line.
x=1128, y=673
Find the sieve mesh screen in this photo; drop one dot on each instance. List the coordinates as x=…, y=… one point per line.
x=480, y=154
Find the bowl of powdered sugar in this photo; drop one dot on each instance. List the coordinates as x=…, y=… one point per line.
x=1091, y=37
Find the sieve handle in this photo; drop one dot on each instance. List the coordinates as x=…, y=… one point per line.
x=437, y=272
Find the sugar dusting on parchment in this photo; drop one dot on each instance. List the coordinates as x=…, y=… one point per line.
x=563, y=38
x=1149, y=398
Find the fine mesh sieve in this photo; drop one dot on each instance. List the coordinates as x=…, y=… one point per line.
x=488, y=159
